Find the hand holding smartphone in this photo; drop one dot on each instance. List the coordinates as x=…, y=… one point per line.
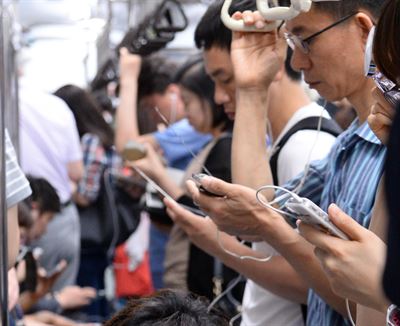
x=197, y=179
x=308, y=212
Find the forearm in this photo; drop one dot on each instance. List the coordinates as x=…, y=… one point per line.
x=250, y=163
x=127, y=126
x=276, y=275
x=300, y=254
x=168, y=185
x=13, y=237
x=369, y=317
x=379, y=220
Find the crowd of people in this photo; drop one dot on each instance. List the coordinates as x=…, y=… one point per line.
x=223, y=144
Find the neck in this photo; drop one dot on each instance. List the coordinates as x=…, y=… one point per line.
x=215, y=132
x=363, y=100
x=285, y=99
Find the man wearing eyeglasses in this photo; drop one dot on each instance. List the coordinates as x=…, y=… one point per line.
x=329, y=45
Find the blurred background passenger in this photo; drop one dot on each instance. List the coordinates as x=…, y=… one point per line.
x=149, y=83
x=50, y=148
x=183, y=260
x=99, y=155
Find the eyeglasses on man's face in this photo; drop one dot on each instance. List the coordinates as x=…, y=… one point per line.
x=295, y=41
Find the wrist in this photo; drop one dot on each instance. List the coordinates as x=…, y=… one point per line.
x=129, y=81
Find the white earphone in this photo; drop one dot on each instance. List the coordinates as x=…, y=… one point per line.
x=274, y=15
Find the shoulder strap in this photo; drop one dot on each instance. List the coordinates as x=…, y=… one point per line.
x=327, y=125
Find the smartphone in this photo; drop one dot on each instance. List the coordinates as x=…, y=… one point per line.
x=197, y=179
x=310, y=213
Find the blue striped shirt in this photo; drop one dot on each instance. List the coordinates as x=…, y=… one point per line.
x=349, y=177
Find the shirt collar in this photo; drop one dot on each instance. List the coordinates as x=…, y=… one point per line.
x=364, y=131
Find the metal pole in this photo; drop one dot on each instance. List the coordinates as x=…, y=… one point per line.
x=3, y=210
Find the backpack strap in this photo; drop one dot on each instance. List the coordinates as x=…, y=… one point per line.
x=327, y=125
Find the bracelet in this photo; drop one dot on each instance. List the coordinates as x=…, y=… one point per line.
x=393, y=316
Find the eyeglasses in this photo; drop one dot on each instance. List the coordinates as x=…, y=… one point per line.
x=304, y=45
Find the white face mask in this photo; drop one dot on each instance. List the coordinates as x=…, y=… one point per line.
x=369, y=66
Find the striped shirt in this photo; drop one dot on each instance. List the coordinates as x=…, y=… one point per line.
x=95, y=160
x=17, y=186
x=349, y=177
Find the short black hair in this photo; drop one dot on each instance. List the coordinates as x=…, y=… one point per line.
x=342, y=8
x=156, y=74
x=25, y=218
x=194, y=78
x=168, y=308
x=44, y=194
x=211, y=31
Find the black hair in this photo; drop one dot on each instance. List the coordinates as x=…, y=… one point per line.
x=156, y=74
x=168, y=308
x=25, y=218
x=44, y=194
x=87, y=113
x=386, y=41
x=338, y=9
x=194, y=78
x=211, y=31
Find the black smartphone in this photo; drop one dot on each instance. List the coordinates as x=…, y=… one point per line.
x=197, y=179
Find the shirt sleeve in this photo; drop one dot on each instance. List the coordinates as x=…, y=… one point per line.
x=95, y=161
x=74, y=144
x=17, y=186
x=313, y=183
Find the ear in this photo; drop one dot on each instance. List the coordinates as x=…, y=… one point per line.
x=34, y=205
x=364, y=23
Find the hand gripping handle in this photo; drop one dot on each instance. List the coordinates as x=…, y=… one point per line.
x=239, y=26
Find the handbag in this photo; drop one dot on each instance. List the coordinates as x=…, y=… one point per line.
x=110, y=220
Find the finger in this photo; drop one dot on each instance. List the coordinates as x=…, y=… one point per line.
x=237, y=15
x=316, y=237
x=345, y=223
x=123, y=51
x=248, y=18
x=89, y=292
x=259, y=20
x=380, y=98
x=216, y=186
x=192, y=188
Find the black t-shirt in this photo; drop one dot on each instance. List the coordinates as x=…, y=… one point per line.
x=201, y=265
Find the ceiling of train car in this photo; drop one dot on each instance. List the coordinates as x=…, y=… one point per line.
x=71, y=37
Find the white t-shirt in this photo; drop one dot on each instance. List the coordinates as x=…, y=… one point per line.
x=261, y=307
x=49, y=139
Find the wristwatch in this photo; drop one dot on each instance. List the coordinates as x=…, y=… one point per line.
x=393, y=316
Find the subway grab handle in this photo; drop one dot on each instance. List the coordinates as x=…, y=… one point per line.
x=239, y=26
x=273, y=15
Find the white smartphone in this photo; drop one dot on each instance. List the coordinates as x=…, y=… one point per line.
x=312, y=214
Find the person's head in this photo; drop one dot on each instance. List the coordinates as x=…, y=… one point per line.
x=214, y=38
x=87, y=113
x=386, y=43
x=157, y=89
x=333, y=61
x=44, y=203
x=197, y=91
x=168, y=308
